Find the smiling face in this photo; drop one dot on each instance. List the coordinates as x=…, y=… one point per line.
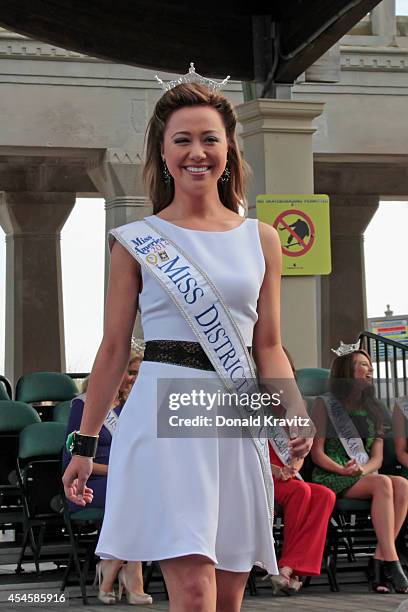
x=362, y=367
x=195, y=148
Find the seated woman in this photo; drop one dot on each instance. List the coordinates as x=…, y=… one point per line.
x=348, y=451
x=107, y=570
x=307, y=508
x=400, y=430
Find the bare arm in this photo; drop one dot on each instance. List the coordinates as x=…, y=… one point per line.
x=110, y=364
x=400, y=438
x=319, y=457
x=269, y=356
x=113, y=354
x=376, y=457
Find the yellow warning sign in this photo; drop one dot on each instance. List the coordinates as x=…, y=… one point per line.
x=303, y=225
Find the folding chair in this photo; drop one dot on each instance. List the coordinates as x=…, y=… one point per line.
x=61, y=411
x=14, y=416
x=39, y=478
x=83, y=528
x=312, y=381
x=45, y=389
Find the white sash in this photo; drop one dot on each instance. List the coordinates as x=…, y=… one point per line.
x=204, y=310
x=111, y=419
x=279, y=440
x=402, y=403
x=345, y=429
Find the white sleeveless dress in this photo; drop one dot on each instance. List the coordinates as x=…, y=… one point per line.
x=171, y=497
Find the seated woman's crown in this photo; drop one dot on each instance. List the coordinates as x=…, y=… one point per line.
x=345, y=349
x=193, y=77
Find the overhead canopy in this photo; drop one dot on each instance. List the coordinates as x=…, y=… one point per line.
x=248, y=40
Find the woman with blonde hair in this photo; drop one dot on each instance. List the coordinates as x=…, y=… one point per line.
x=207, y=282
x=130, y=574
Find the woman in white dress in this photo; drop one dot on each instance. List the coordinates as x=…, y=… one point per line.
x=199, y=505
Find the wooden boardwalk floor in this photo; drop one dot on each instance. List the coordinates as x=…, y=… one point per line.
x=315, y=598
x=353, y=597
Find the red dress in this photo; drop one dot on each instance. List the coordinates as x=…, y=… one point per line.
x=307, y=508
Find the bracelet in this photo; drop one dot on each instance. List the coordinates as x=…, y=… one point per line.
x=84, y=446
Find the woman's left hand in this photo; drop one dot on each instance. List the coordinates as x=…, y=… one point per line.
x=288, y=472
x=300, y=447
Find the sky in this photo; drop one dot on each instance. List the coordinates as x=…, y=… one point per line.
x=83, y=254
x=401, y=7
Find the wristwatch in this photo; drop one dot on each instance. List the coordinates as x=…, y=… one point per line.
x=84, y=446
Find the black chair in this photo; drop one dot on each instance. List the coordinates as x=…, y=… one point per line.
x=43, y=390
x=39, y=478
x=14, y=416
x=61, y=412
x=83, y=528
x=350, y=533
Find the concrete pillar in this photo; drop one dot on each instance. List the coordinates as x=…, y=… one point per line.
x=383, y=21
x=34, y=308
x=125, y=209
x=277, y=136
x=343, y=292
x=118, y=178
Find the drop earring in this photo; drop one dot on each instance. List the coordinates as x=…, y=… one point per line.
x=225, y=176
x=166, y=173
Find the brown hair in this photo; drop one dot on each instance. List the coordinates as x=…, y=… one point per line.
x=161, y=193
x=343, y=367
x=341, y=375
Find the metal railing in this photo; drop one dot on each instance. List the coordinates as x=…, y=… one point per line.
x=390, y=361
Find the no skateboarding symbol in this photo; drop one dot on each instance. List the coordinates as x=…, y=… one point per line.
x=299, y=232
x=303, y=224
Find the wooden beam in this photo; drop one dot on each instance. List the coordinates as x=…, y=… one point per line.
x=166, y=35
x=301, y=42
x=159, y=35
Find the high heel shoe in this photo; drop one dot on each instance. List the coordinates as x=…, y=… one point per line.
x=375, y=575
x=279, y=583
x=132, y=598
x=286, y=582
x=394, y=574
x=106, y=597
x=293, y=587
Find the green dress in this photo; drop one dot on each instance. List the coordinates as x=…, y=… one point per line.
x=335, y=450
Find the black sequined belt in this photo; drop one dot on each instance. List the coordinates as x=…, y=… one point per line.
x=178, y=352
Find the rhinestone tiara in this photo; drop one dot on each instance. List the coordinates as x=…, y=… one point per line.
x=137, y=344
x=346, y=349
x=193, y=77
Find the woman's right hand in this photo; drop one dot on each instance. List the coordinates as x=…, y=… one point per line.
x=352, y=468
x=75, y=476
